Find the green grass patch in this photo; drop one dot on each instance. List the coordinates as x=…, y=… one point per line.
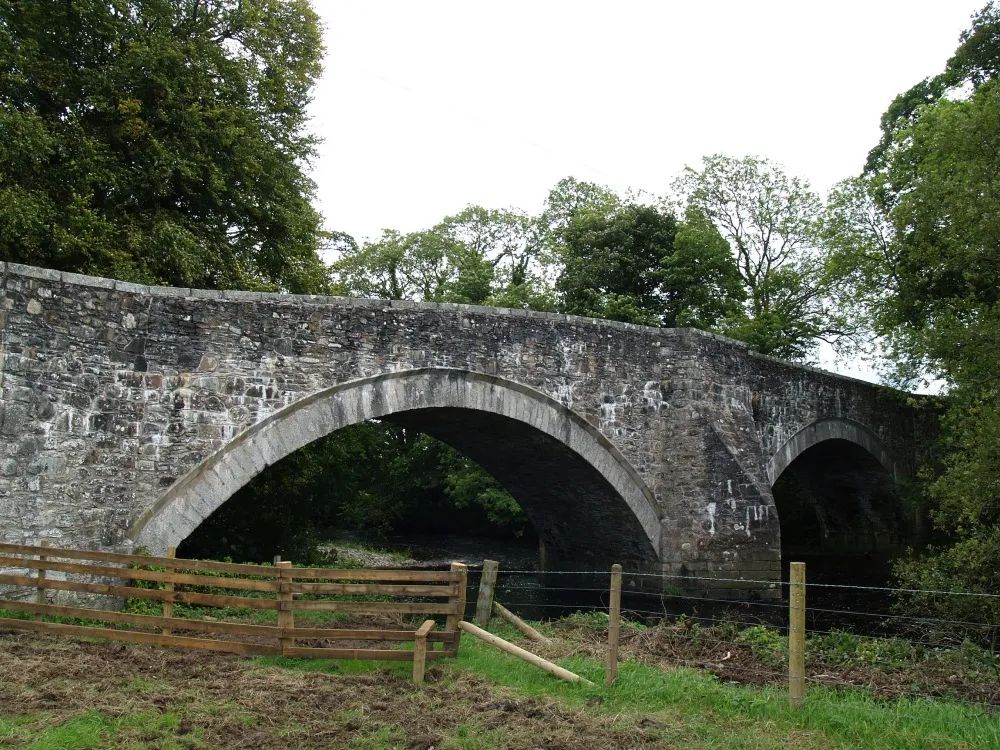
x=850, y=718
x=91, y=731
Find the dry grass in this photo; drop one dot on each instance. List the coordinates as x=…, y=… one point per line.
x=207, y=700
x=755, y=658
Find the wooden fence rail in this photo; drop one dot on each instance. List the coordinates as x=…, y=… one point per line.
x=275, y=588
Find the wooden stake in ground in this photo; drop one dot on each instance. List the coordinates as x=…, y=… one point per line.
x=797, y=634
x=614, y=623
x=520, y=653
x=484, y=604
x=518, y=623
x=40, y=594
x=420, y=650
x=286, y=617
x=168, y=605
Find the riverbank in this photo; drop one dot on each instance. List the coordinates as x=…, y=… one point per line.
x=430, y=551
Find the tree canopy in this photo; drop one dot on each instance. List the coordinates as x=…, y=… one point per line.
x=918, y=235
x=160, y=141
x=637, y=264
x=771, y=221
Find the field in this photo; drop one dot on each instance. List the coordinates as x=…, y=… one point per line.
x=58, y=693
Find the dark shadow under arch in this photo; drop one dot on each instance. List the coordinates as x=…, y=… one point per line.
x=839, y=505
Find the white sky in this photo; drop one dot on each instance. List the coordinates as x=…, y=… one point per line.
x=426, y=107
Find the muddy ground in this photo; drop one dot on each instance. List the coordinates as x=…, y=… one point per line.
x=227, y=701
x=176, y=699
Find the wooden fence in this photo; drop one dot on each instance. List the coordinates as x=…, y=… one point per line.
x=281, y=588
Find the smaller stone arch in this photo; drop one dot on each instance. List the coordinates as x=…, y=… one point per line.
x=830, y=429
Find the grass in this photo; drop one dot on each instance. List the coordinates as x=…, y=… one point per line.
x=852, y=718
x=57, y=693
x=707, y=713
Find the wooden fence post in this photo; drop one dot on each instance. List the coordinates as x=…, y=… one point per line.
x=614, y=623
x=797, y=634
x=286, y=617
x=40, y=593
x=420, y=651
x=459, y=614
x=484, y=604
x=168, y=604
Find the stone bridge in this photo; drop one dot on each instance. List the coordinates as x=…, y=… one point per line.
x=130, y=413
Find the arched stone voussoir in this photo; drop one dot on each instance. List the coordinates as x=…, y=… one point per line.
x=182, y=507
x=830, y=429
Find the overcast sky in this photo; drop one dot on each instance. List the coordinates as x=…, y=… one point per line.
x=426, y=107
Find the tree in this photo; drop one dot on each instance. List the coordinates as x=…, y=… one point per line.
x=975, y=62
x=571, y=197
x=426, y=266
x=513, y=243
x=635, y=264
x=160, y=141
x=921, y=233
x=700, y=280
x=770, y=221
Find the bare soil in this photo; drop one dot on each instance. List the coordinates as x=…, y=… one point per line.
x=227, y=701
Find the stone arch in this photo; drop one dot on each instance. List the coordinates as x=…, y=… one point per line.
x=439, y=401
x=830, y=429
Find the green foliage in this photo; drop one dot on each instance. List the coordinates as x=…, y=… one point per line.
x=478, y=256
x=373, y=477
x=967, y=565
x=975, y=62
x=160, y=142
x=767, y=645
x=613, y=264
x=635, y=264
x=770, y=221
x=841, y=648
x=917, y=236
x=700, y=279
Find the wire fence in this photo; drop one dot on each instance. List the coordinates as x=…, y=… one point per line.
x=856, y=638
x=865, y=639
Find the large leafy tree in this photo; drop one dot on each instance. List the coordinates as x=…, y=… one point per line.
x=160, y=141
x=634, y=263
x=920, y=233
x=770, y=220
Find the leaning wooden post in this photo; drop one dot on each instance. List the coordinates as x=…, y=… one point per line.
x=484, y=604
x=168, y=604
x=518, y=623
x=520, y=653
x=460, y=578
x=286, y=617
x=797, y=634
x=40, y=593
x=614, y=623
